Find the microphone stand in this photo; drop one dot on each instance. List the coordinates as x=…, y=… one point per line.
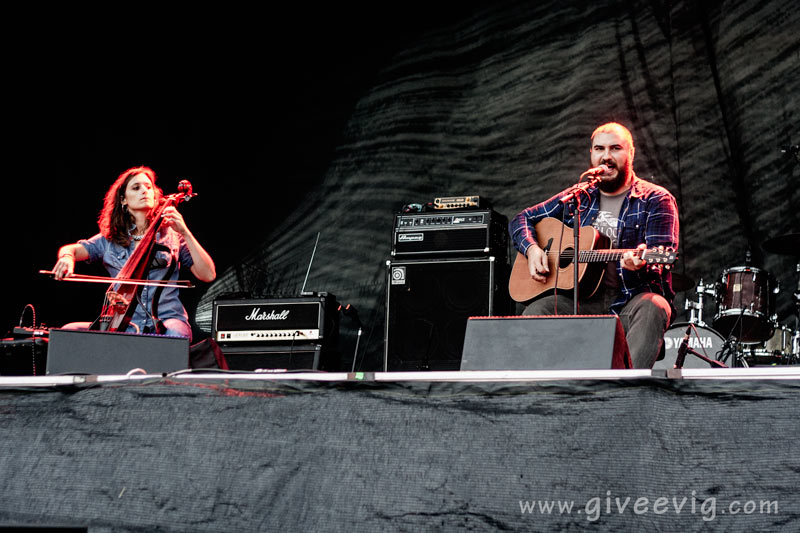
x=350, y=310
x=685, y=348
x=355, y=351
x=712, y=362
x=574, y=193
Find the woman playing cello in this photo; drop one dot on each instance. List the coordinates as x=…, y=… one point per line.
x=131, y=205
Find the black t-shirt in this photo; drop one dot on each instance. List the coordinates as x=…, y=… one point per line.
x=607, y=223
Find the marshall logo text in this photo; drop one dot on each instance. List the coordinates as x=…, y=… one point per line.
x=256, y=314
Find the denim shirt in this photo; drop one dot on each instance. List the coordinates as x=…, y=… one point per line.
x=649, y=214
x=114, y=258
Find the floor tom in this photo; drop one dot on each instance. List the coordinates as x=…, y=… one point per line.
x=777, y=350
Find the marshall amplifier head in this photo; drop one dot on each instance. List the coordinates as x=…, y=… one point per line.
x=270, y=321
x=473, y=232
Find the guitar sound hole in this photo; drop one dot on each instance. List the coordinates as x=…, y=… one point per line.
x=565, y=258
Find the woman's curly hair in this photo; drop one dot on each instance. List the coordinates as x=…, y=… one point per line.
x=114, y=221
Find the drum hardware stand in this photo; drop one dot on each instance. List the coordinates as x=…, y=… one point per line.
x=796, y=297
x=789, y=244
x=795, y=356
x=731, y=347
x=696, y=319
x=696, y=308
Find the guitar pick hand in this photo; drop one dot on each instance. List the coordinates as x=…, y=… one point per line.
x=537, y=263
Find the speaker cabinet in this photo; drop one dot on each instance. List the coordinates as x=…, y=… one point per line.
x=288, y=357
x=545, y=343
x=101, y=352
x=23, y=357
x=428, y=303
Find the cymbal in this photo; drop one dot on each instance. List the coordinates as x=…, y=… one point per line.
x=788, y=244
x=682, y=282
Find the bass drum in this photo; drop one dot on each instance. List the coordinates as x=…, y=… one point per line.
x=702, y=339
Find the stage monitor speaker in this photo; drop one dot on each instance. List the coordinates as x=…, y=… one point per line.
x=428, y=303
x=288, y=357
x=545, y=343
x=101, y=352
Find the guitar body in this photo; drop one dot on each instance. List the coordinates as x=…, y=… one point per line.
x=524, y=289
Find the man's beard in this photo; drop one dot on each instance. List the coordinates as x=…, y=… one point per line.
x=614, y=184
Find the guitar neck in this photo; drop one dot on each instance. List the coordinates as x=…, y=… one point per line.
x=598, y=256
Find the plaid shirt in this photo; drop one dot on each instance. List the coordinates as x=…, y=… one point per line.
x=649, y=214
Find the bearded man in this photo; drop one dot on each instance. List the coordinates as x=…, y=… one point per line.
x=633, y=214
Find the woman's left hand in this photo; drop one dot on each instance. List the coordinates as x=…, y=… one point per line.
x=172, y=218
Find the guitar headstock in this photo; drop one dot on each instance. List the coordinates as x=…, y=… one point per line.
x=659, y=256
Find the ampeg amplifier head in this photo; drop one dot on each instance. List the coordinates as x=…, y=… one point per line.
x=300, y=319
x=475, y=232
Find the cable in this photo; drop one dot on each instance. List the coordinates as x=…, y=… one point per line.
x=33, y=338
x=33, y=315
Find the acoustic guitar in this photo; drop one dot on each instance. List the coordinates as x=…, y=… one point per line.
x=556, y=239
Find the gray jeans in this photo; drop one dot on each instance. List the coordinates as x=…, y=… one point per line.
x=645, y=319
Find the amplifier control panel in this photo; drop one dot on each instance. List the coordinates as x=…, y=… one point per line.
x=261, y=335
x=417, y=221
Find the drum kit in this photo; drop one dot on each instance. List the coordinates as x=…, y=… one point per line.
x=745, y=328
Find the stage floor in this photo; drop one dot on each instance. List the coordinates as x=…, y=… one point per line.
x=206, y=451
x=516, y=376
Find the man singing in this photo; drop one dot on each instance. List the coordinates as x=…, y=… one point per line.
x=632, y=213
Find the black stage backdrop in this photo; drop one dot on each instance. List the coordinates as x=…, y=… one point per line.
x=303, y=122
x=634, y=455
x=502, y=103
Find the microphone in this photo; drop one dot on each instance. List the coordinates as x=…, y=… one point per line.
x=597, y=171
x=594, y=176
x=683, y=348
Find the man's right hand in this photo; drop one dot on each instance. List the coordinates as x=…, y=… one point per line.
x=537, y=263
